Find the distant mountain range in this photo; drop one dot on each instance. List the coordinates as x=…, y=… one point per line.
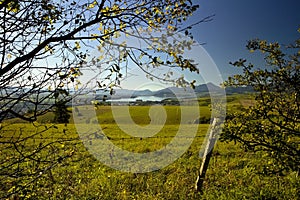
x=200, y=90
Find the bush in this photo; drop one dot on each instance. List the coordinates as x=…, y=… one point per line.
x=202, y=120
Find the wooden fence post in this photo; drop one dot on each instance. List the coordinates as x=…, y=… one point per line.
x=211, y=141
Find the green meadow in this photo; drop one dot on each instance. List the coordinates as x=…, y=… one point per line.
x=232, y=173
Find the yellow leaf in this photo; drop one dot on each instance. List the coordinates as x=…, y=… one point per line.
x=123, y=44
x=100, y=27
x=151, y=23
x=77, y=45
x=170, y=27
x=141, y=56
x=106, y=9
x=117, y=34
x=155, y=39
x=47, y=48
x=14, y=10
x=94, y=35
x=12, y=6
x=106, y=31
x=92, y=5
x=122, y=25
x=115, y=7
x=101, y=57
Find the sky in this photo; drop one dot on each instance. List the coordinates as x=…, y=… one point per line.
x=235, y=22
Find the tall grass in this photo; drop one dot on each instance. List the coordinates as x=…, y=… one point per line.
x=232, y=173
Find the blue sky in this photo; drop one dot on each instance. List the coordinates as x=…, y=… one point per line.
x=237, y=21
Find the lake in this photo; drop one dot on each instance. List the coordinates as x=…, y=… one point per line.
x=142, y=98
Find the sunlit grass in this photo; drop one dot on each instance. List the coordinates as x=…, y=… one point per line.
x=232, y=173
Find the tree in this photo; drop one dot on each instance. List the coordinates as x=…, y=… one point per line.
x=44, y=49
x=45, y=45
x=272, y=124
x=61, y=113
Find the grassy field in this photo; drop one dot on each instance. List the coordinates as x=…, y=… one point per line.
x=232, y=173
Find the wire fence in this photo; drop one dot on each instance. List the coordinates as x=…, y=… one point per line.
x=56, y=135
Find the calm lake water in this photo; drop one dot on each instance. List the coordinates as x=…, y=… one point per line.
x=143, y=98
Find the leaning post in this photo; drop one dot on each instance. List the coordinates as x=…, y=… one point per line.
x=211, y=141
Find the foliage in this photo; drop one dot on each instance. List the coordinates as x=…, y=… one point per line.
x=61, y=113
x=46, y=45
x=29, y=154
x=60, y=110
x=272, y=123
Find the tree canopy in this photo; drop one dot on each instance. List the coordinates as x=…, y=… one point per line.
x=272, y=124
x=45, y=46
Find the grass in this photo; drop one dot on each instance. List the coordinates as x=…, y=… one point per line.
x=232, y=173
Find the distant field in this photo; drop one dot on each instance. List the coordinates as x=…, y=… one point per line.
x=140, y=115
x=231, y=173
